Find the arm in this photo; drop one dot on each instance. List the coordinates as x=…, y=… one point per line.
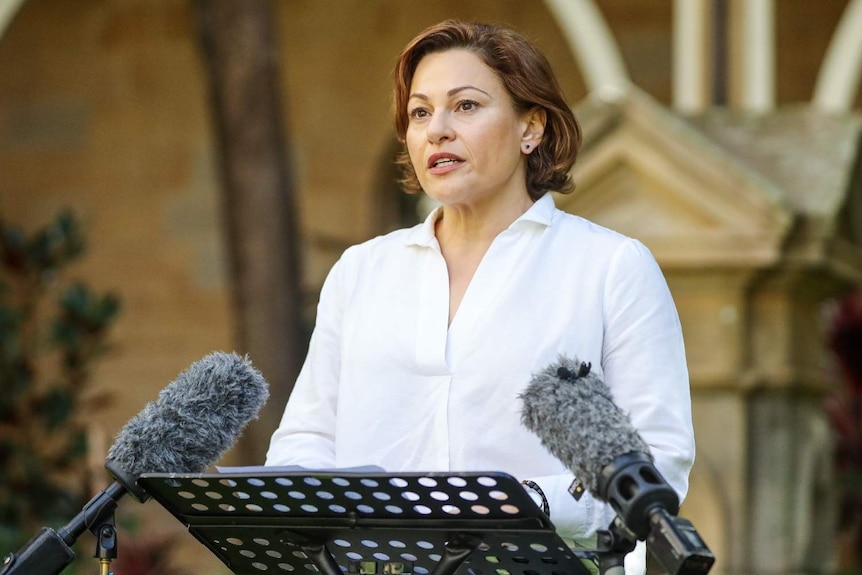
x=306, y=434
x=643, y=363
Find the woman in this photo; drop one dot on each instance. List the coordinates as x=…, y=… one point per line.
x=425, y=337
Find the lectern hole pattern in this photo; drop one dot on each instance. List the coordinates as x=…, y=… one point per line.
x=399, y=553
x=422, y=496
x=380, y=525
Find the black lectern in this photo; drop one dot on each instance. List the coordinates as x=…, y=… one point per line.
x=366, y=523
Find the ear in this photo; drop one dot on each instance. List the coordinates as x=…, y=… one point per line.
x=534, y=129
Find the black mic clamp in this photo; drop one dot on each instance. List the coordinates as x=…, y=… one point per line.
x=675, y=543
x=633, y=486
x=648, y=506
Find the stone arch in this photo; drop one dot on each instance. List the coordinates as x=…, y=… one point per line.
x=8, y=9
x=593, y=45
x=838, y=80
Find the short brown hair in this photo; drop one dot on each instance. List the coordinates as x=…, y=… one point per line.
x=527, y=77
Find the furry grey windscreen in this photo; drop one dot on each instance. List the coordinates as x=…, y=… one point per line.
x=195, y=419
x=574, y=415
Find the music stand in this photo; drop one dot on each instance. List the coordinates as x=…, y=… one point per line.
x=331, y=523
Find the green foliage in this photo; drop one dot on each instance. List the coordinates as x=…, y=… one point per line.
x=51, y=332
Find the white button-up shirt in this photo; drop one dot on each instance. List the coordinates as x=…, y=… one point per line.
x=387, y=382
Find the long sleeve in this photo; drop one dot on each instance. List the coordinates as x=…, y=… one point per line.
x=643, y=363
x=306, y=434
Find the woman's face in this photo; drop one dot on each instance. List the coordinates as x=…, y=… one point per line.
x=463, y=134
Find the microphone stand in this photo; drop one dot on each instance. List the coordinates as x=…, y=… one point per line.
x=106, y=545
x=612, y=546
x=672, y=541
x=49, y=551
x=647, y=507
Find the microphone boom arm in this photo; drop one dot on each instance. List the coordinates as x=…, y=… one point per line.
x=49, y=551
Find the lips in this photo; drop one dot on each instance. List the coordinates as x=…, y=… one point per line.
x=443, y=162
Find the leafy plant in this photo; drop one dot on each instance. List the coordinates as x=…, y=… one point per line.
x=51, y=333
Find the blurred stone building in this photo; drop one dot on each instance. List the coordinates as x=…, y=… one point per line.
x=723, y=133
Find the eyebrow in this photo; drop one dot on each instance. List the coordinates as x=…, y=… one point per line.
x=451, y=92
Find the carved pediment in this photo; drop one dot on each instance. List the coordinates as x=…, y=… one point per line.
x=725, y=187
x=814, y=158
x=649, y=174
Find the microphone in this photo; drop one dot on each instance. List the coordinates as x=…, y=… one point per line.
x=572, y=412
x=195, y=419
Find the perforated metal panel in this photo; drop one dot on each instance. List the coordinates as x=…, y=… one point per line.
x=369, y=524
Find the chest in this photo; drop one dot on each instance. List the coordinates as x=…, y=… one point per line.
x=522, y=306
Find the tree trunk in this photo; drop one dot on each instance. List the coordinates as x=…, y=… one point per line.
x=240, y=55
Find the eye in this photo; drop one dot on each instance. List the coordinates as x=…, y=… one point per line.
x=418, y=113
x=467, y=105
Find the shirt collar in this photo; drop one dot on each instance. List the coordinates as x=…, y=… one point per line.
x=541, y=212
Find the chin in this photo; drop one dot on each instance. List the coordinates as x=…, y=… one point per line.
x=445, y=194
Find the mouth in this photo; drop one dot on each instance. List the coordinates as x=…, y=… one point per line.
x=439, y=163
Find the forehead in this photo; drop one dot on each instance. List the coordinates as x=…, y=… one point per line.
x=443, y=71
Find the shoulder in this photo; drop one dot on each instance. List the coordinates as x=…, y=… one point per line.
x=379, y=246
x=583, y=234
x=375, y=255
x=365, y=262
x=588, y=248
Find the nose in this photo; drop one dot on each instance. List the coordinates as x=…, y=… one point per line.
x=440, y=128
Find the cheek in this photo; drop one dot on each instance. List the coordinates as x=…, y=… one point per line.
x=506, y=144
x=414, y=150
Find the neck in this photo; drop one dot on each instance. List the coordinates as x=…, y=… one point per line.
x=471, y=224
